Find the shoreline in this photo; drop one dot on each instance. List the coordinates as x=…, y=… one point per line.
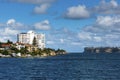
x=31, y=56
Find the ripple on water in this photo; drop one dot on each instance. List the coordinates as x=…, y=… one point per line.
x=65, y=67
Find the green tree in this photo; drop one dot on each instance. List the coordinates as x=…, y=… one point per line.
x=14, y=49
x=46, y=50
x=5, y=52
x=0, y=44
x=38, y=52
x=60, y=51
x=9, y=42
x=34, y=41
x=24, y=50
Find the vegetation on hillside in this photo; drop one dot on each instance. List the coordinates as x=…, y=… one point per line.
x=24, y=50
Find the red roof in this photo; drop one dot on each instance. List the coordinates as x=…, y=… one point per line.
x=19, y=43
x=5, y=45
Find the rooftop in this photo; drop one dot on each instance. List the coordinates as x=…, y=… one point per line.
x=30, y=31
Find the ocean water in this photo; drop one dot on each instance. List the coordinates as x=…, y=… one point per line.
x=63, y=67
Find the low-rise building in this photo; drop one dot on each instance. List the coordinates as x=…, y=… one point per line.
x=19, y=45
x=5, y=46
x=31, y=48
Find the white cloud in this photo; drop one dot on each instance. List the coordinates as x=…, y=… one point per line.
x=82, y=12
x=8, y=32
x=42, y=9
x=76, y=43
x=104, y=32
x=10, y=29
x=104, y=7
x=11, y=21
x=5, y=38
x=114, y=3
x=84, y=35
x=77, y=12
x=97, y=39
x=13, y=24
x=61, y=40
x=34, y=1
x=50, y=42
x=41, y=6
x=44, y=25
x=107, y=20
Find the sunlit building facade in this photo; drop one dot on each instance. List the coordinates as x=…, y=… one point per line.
x=27, y=38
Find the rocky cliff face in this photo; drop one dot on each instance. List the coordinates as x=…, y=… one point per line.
x=101, y=49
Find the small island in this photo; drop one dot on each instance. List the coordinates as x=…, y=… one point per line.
x=10, y=49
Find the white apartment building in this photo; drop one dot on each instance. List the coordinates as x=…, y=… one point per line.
x=27, y=38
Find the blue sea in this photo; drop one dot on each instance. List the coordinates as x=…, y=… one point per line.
x=74, y=66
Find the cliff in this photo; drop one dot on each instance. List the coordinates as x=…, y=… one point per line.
x=101, y=49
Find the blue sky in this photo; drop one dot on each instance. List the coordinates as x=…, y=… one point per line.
x=68, y=24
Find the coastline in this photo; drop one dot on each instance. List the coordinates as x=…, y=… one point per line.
x=31, y=56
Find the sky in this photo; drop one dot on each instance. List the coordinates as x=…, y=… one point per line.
x=67, y=24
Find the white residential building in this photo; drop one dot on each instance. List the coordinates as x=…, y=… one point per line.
x=27, y=38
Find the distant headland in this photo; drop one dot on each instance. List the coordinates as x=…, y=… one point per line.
x=102, y=50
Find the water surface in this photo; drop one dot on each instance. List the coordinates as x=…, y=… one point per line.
x=62, y=67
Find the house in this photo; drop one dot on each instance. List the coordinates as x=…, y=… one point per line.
x=19, y=45
x=5, y=46
x=31, y=48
